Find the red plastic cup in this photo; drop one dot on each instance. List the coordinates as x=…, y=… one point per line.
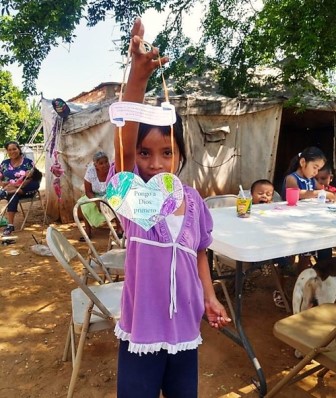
x=292, y=196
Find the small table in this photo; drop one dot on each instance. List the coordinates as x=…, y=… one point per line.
x=273, y=230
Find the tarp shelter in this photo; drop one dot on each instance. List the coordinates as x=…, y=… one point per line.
x=228, y=142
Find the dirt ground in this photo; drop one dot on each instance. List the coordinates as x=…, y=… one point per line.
x=35, y=312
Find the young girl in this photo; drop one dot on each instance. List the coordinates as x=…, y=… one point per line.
x=167, y=279
x=302, y=172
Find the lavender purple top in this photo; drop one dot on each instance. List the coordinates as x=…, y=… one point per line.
x=162, y=302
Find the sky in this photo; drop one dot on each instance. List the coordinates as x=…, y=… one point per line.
x=93, y=58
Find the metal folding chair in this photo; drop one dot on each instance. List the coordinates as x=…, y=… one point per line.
x=94, y=308
x=111, y=220
x=111, y=263
x=37, y=197
x=313, y=333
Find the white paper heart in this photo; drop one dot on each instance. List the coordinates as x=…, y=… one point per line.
x=144, y=203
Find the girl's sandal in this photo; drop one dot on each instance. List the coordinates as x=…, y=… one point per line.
x=278, y=299
x=8, y=230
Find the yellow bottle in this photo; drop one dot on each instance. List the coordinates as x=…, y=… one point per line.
x=244, y=203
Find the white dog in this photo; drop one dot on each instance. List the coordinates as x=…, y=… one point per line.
x=315, y=286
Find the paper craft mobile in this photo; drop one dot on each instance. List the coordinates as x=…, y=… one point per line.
x=145, y=204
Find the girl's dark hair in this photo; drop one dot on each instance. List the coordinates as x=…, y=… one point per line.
x=308, y=154
x=262, y=181
x=328, y=168
x=144, y=129
x=13, y=143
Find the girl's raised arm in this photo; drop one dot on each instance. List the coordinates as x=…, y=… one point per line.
x=142, y=66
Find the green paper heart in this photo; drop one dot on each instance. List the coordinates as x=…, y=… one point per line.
x=144, y=203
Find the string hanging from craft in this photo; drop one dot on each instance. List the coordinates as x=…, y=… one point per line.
x=143, y=113
x=145, y=203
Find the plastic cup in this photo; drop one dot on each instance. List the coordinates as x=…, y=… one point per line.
x=292, y=196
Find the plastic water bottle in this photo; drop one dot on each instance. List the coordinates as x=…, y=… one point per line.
x=322, y=196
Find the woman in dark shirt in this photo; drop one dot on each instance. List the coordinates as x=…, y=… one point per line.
x=18, y=179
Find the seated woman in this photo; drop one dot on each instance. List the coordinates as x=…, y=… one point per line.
x=18, y=179
x=94, y=186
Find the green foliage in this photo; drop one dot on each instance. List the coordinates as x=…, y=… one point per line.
x=31, y=124
x=13, y=108
x=17, y=118
x=28, y=30
x=296, y=36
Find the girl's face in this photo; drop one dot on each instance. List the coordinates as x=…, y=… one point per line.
x=13, y=151
x=102, y=165
x=324, y=178
x=154, y=155
x=311, y=168
x=262, y=193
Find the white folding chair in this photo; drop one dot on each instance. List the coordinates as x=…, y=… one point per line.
x=111, y=263
x=221, y=201
x=94, y=308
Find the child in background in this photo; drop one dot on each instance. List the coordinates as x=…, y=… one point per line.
x=262, y=191
x=325, y=176
x=167, y=278
x=301, y=173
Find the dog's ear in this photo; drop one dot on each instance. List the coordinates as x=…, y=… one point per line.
x=325, y=268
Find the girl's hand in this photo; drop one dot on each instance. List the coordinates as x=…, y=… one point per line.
x=216, y=314
x=330, y=196
x=144, y=60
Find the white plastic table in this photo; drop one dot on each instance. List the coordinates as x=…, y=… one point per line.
x=273, y=230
